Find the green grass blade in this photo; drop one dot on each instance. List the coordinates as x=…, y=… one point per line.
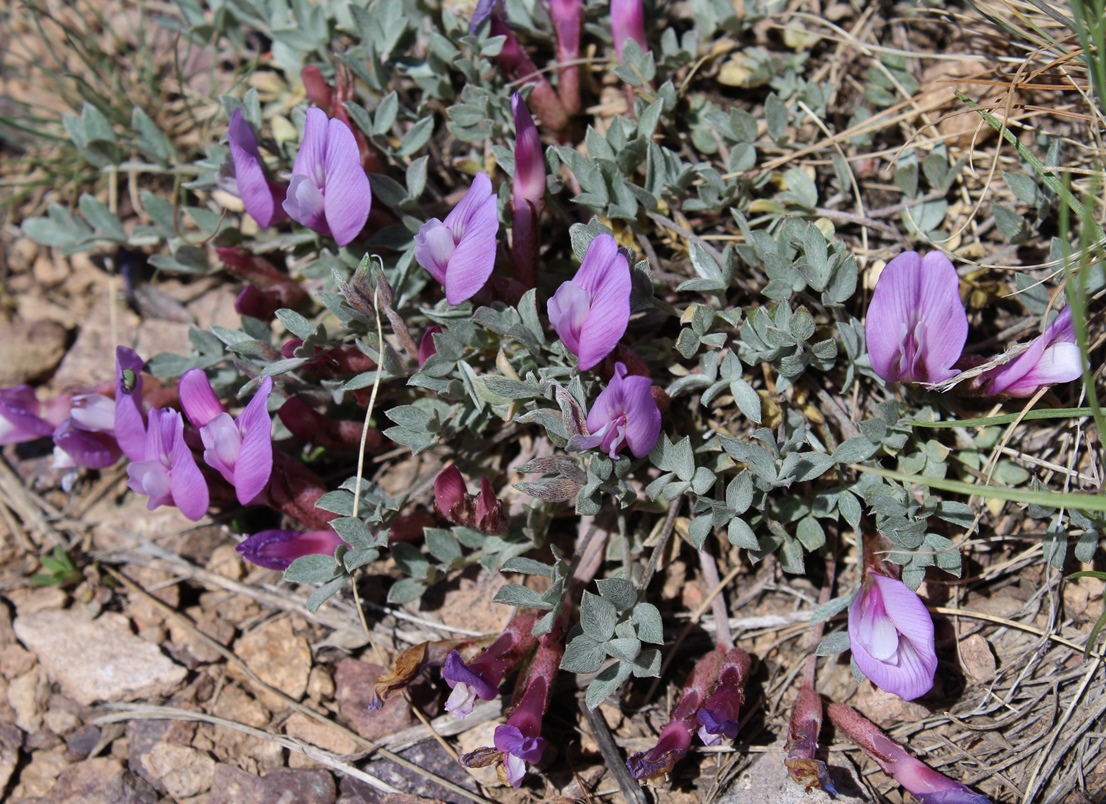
x=1047, y=499
x=1006, y=418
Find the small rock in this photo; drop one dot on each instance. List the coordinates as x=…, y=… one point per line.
x=182, y=770
x=234, y=786
x=62, y=715
x=31, y=600
x=354, y=682
x=27, y=695
x=22, y=253
x=49, y=271
x=978, y=660
x=188, y=648
x=767, y=780
x=15, y=661
x=82, y=742
x=101, y=781
x=37, y=778
x=41, y=348
x=320, y=685
x=11, y=739
x=305, y=728
x=225, y=561
x=277, y=656
x=97, y=660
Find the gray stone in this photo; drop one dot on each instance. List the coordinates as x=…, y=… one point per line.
x=100, y=781
x=97, y=660
x=234, y=786
x=767, y=780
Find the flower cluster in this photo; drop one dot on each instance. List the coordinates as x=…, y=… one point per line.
x=917, y=327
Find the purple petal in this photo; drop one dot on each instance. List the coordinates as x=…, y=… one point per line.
x=255, y=458
x=261, y=197
x=568, y=311
x=1052, y=358
x=198, y=398
x=222, y=443
x=94, y=413
x=528, y=187
x=427, y=349
x=305, y=204
x=130, y=424
x=462, y=215
x=482, y=11
x=627, y=22
x=941, y=316
x=916, y=325
x=19, y=419
x=510, y=740
x=348, y=197
x=473, y=259
x=311, y=159
x=643, y=416
x=152, y=479
x=277, y=549
x=94, y=450
x=185, y=479
x=434, y=246
x=891, y=636
x=456, y=672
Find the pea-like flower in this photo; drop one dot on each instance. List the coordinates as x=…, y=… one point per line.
x=168, y=473
x=241, y=449
x=130, y=421
x=460, y=251
x=86, y=437
x=527, y=193
x=591, y=311
x=623, y=415
x=627, y=22
x=21, y=416
x=1052, y=358
x=924, y=783
x=329, y=191
x=277, y=549
x=891, y=637
x=481, y=677
x=718, y=717
x=916, y=325
x=261, y=196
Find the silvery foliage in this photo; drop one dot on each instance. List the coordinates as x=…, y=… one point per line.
x=772, y=314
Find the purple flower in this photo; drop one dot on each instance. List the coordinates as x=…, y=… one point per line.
x=241, y=449
x=590, y=312
x=916, y=325
x=130, y=423
x=277, y=549
x=623, y=415
x=481, y=677
x=168, y=473
x=519, y=741
x=518, y=749
x=460, y=252
x=21, y=416
x=87, y=437
x=261, y=196
x=568, y=17
x=627, y=22
x=427, y=349
x=924, y=783
x=718, y=717
x=329, y=191
x=891, y=637
x=1051, y=358
x=675, y=738
x=527, y=193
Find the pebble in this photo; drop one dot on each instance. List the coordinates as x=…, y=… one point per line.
x=97, y=660
x=278, y=657
x=767, y=780
x=234, y=786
